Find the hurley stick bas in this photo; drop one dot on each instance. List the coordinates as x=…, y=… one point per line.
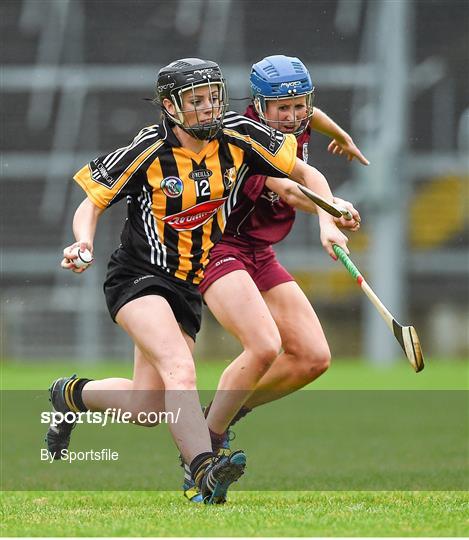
x=405, y=335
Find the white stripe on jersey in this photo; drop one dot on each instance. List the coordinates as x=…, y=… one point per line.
x=138, y=138
x=278, y=135
x=112, y=159
x=137, y=169
x=234, y=119
x=284, y=175
x=123, y=151
x=237, y=120
x=151, y=231
x=233, y=196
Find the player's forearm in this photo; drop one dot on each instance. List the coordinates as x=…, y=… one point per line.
x=325, y=125
x=85, y=221
x=288, y=191
x=315, y=181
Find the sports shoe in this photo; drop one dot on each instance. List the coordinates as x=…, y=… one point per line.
x=189, y=487
x=191, y=491
x=58, y=435
x=219, y=475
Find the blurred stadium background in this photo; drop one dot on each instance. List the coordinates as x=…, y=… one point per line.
x=394, y=73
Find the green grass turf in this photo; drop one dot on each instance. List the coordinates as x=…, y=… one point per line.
x=438, y=374
x=247, y=514
x=340, y=513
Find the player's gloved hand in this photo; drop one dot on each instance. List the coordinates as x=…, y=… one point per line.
x=331, y=235
x=353, y=224
x=344, y=146
x=71, y=260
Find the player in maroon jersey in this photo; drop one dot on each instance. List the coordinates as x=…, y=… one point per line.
x=250, y=293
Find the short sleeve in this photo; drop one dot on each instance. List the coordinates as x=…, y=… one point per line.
x=268, y=151
x=108, y=178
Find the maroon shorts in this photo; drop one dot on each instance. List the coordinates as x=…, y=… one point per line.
x=261, y=264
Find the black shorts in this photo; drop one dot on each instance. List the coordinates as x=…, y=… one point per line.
x=128, y=279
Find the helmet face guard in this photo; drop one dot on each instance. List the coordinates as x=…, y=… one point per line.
x=277, y=78
x=200, y=130
x=185, y=76
x=260, y=103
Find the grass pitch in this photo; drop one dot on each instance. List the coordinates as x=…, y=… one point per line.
x=247, y=514
x=293, y=513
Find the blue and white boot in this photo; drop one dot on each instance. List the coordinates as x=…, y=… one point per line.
x=191, y=491
x=219, y=475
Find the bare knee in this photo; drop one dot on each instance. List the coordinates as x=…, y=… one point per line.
x=176, y=373
x=264, y=351
x=180, y=377
x=310, y=361
x=321, y=361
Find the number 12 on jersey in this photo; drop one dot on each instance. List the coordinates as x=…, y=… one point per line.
x=202, y=188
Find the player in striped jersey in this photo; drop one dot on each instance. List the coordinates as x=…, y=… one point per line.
x=181, y=180
x=243, y=268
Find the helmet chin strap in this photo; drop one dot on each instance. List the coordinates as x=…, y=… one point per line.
x=202, y=132
x=258, y=107
x=179, y=113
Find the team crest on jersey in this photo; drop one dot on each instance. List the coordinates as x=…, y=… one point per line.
x=195, y=216
x=229, y=177
x=305, y=152
x=172, y=186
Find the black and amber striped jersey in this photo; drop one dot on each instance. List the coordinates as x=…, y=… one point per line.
x=179, y=201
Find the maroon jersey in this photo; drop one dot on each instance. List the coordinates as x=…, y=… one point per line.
x=260, y=218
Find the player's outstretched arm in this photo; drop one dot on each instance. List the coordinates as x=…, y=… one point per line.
x=342, y=144
x=85, y=221
x=288, y=191
x=314, y=180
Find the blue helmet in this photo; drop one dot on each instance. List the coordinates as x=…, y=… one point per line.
x=281, y=77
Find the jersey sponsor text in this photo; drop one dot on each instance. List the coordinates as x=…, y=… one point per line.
x=194, y=217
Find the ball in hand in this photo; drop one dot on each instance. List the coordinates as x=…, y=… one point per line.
x=83, y=259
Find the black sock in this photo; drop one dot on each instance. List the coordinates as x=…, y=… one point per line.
x=240, y=414
x=199, y=464
x=72, y=394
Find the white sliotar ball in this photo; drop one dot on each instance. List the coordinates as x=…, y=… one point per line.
x=84, y=258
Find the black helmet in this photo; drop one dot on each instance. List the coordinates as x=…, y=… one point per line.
x=186, y=74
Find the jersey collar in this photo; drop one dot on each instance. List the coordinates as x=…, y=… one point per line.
x=167, y=134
